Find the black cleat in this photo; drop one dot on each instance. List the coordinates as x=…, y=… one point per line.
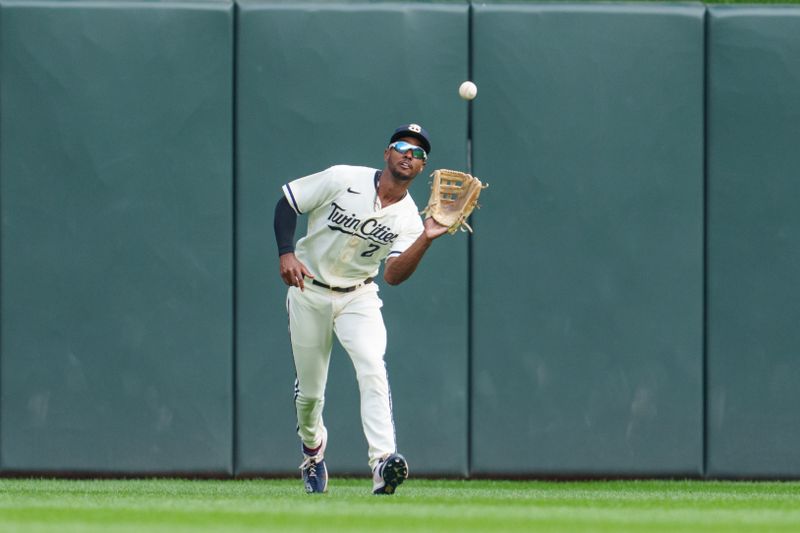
x=389, y=474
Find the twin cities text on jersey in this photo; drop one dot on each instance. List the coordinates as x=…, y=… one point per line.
x=368, y=229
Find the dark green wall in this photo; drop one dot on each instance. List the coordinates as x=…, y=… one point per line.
x=116, y=190
x=625, y=306
x=588, y=259
x=753, y=241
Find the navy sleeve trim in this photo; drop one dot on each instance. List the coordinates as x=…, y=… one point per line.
x=294, y=202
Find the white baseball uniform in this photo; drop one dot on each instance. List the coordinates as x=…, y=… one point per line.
x=349, y=234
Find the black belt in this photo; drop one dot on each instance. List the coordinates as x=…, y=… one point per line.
x=342, y=289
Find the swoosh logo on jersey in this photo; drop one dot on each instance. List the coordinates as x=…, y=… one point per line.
x=352, y=191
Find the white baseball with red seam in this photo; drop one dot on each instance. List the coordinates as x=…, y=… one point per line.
x=468, y=90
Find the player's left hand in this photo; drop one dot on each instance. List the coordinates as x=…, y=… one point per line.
x=433, y=229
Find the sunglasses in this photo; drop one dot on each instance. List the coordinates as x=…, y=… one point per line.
x=401, y=147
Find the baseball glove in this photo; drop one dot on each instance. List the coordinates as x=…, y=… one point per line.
x=454, y=195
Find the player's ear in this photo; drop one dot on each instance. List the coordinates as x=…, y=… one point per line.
x=386, y=154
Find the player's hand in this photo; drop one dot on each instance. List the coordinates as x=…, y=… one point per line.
x=293, y=271
x=433, y=229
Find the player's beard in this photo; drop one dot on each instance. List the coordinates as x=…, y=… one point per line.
x=401, y=177
x=401, y=174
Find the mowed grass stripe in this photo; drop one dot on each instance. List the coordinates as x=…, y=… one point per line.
x=422, y=505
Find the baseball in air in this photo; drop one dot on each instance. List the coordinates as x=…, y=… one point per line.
x=468, y=90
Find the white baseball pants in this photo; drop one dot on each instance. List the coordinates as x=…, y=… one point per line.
x=315, y=314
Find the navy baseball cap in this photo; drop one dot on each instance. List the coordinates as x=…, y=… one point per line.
x=412, y=130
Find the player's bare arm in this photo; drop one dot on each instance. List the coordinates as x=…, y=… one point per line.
x=398, y=269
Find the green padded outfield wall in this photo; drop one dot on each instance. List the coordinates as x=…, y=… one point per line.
x=753, y=241
x=588, y=254
x=326, y=83
x=116, y=186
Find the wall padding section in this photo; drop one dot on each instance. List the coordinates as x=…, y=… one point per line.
x=753, y=242
x=588, y=273
x=116, y=237
x=321, y=84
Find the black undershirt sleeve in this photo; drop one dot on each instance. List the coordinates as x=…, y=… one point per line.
x=285, y=225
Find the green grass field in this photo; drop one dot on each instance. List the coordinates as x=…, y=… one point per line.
x=420, y=505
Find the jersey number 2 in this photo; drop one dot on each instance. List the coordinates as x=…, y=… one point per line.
x=372, y=249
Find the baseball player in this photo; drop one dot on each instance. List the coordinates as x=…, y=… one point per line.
x=357, y=217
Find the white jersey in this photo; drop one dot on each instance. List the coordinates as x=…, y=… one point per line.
x=349, y=233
